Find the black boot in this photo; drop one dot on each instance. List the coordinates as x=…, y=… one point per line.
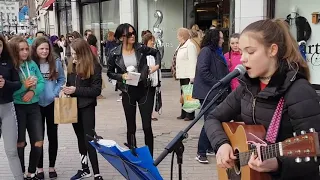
x=183, y=114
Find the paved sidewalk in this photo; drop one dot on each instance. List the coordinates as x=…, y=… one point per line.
x=111, y=125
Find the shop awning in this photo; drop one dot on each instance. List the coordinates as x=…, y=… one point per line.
x=48, y=4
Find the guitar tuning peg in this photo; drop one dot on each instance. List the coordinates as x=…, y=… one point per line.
x=303, y=132
x=294, y=134
x=306, y=159
x=298, y=160
x=312, y=130
x=316, y=159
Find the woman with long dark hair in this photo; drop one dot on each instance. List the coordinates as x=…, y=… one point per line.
x=84, y=82
x=211, y=67
x=130, y=57
x=52, y=71
x=275, y=93
x=9, y=82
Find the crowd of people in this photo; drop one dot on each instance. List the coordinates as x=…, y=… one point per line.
x=34, y=71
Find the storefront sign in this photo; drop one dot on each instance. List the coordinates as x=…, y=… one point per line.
x=313, y=54
x=284, y=8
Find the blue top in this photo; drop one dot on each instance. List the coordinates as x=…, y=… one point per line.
x=52, y=87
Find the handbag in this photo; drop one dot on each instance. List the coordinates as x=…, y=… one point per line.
x=274, y=126
x=158, y=105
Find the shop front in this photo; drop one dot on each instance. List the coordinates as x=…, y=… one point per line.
x=100, y=17
x=168, y=16
x=305, y=26
x=64, y=16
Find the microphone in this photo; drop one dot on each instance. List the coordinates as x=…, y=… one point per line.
x=238, y=70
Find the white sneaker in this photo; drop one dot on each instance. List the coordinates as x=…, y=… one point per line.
x=120, y=99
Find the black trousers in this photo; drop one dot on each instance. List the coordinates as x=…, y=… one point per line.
x=29, y=119
x=47, y=114
x=144, y=98
x=184, y=114
x=86, y=125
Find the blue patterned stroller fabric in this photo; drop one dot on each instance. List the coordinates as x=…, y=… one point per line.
x=132, y=166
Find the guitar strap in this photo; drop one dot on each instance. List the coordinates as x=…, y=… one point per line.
x=274, y=126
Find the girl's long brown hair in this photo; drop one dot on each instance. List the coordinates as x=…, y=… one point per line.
x=85, y=59
x=277, y=32
x=53, y=74
x=13, y=45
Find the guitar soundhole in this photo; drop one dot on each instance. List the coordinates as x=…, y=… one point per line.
x=235, y=173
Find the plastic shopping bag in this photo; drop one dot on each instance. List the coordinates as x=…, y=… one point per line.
x=189, y=104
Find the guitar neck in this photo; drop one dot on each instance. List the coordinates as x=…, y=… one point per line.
x=267, y=152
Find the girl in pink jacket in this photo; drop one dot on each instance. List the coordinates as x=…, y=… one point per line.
x=233, y=57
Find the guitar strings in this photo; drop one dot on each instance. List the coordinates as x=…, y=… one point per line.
x=265, y=151
x=270, y=148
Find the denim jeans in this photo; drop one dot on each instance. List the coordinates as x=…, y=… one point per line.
x=204, y=143
x=29, y=119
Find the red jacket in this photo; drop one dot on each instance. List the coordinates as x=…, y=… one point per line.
x=94, y=50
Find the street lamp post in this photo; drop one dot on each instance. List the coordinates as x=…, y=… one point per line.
x=1, y=19
x=9, y=24
x=16, y=24
x=26, y=17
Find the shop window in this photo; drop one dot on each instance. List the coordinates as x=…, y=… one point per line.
x=299, y=15
x=172, y=20
x=110, y=19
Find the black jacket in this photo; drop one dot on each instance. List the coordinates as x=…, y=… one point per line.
x=87, y=90
x=12, y=81
x=301, y=112
x=303, y=27
x=210, y=69
x=116, y=66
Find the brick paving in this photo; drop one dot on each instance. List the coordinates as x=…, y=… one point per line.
x=110, y=124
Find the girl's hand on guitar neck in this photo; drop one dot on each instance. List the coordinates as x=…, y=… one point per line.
x=225, y=156
x=269, y=165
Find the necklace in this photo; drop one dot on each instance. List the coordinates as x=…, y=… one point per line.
x=265, y=78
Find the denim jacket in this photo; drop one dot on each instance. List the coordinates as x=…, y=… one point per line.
x=53, y=87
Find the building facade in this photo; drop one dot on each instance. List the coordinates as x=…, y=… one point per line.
x=15, y=16
x=9, y=13
x=232, y=15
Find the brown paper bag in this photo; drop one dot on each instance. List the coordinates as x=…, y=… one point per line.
x=103, y=86
x=65, y=110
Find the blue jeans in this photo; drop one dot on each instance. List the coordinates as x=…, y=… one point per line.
x=204, y=143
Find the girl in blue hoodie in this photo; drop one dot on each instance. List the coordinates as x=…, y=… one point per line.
x=53, y=74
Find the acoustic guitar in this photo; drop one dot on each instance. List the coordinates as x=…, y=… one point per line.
x=247, y=139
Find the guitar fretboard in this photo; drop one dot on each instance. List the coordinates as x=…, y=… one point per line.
x=267, y=152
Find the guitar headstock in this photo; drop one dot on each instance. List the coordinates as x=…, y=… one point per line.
x=304, y=146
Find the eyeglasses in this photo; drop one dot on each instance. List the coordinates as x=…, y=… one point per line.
x=129, y=34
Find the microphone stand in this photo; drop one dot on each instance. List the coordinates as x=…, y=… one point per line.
x=176, y=144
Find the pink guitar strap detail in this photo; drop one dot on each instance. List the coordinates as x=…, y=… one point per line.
x=274, y=126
